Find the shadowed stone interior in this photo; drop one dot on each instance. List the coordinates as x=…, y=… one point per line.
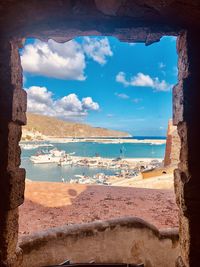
x=131, y=21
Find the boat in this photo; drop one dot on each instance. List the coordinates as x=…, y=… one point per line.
x=57, y=153
x=54, y=156
x=79, y=176
x=34, y=146
x=44, y=158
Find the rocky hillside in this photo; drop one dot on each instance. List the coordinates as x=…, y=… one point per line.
x=39, y=126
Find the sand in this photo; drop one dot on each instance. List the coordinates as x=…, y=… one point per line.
x=54, y=204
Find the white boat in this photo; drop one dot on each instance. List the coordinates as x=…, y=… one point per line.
x=54, y=156
x=79, y=176
x=57, y=153
x=29, y=146
x=34, y=146
x=44, y=158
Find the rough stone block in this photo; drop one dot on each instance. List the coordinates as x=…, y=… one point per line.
x=19, y=106
x=9, y=238
x=16, y=68
x=177, y=103
x=183, y=60
x=178, y=186
x=17, y=187
x=14, y=150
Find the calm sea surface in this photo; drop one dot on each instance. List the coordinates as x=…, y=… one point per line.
x=52, y=172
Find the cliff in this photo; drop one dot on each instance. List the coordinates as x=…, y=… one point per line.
x=40, y=126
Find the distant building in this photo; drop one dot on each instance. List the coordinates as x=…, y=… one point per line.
x=172, y=151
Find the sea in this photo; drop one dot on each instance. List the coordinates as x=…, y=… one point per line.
x=54, y=173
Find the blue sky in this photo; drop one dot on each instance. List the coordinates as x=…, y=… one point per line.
x=103, y=82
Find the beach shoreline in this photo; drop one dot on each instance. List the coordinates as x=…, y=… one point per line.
x=105, y=140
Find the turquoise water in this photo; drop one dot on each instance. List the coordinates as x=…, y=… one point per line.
x=52, y=172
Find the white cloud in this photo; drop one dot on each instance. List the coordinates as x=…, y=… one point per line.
x=121, y=78
x=87, y=103
x=123, y=96
x=64, y=60
x=51, y=59
x=143, y=80
x=41, y=101
x=97, y=49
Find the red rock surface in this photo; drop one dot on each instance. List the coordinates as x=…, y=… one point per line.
x=55, y=204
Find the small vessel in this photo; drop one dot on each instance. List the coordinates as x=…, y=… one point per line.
x=29, y=146
x=54, y=156
x=57, y=153
x=44, y=158
x=79, y=176
x=34, y=146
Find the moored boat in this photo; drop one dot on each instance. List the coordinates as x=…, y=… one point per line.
x=53, y=156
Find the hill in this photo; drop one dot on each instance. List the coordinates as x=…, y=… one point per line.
x=40, y=126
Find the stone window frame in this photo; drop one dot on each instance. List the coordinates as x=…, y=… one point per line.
x=185, y=116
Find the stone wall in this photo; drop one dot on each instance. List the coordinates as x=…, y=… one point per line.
x=173, y=145
x=127, y=240
x=12, y=110
x=186, y=116
x=131, y=21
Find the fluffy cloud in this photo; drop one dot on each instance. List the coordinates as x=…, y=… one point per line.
x=51, y=59
x=97, y=49
x=143, y=80
x=66, y=60
x=87, y=103
x=41, y=101
x=121, y=78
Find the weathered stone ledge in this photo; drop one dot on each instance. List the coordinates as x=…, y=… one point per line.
x=122, y=240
